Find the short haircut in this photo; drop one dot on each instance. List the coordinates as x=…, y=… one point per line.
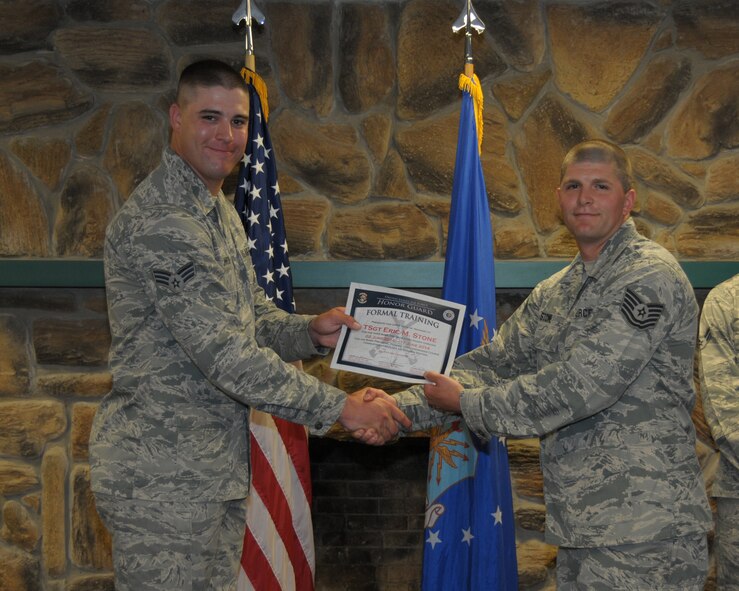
x=210, y=73
x=601, y=151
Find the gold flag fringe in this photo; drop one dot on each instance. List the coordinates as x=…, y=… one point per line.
x=251, y=77
x=472, y=85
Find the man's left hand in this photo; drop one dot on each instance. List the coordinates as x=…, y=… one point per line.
x=324, y=330
x=443, y=392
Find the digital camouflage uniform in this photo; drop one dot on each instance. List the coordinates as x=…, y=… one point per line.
x=194, y=345
x=599, y=364
x=719, y=343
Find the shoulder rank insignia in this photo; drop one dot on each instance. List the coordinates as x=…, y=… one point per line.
x=637, y=313
x=175, y=281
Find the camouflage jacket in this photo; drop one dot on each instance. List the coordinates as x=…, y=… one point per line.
x=719, y=344
x=599, y=364
x=194, y=343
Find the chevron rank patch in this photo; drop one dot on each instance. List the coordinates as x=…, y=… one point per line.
x=639, y=314
x=175, y=281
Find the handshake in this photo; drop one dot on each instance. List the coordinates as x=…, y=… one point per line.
x=372, y=416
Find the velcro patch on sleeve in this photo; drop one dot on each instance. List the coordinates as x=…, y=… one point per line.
x=640, y=314
x=175, y=281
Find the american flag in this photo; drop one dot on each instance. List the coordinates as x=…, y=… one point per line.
x=278, y=542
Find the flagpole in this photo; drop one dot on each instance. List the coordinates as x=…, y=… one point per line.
x=249, y=58
x=469, y=64
x=248, y=12
x=467, y=21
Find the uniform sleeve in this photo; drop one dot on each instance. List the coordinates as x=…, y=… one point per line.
x=719, y=373
x=286, y=334
x=225, y=329
x=510, y=353
x=588, y=375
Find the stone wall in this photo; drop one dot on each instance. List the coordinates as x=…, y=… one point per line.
x=364, y=105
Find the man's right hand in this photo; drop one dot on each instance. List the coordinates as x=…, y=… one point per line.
x=372, y=416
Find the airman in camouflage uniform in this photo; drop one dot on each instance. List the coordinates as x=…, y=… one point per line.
x=719, y=372
x=598, y=362
x=194, y=345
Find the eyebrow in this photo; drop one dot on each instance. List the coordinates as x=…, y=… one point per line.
x=217, y=112
x=578, y=180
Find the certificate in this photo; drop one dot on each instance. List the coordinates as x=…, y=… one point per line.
x=403, y=335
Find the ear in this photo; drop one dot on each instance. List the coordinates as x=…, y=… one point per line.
x=629, y=200
x=175, y=116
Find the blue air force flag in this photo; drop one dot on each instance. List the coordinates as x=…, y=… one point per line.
x=469, y=536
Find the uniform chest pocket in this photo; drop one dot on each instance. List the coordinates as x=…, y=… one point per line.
x=549, y=338
x=228, y=263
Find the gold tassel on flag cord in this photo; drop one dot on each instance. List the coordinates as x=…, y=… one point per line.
x=251, y=77
x=471, y=84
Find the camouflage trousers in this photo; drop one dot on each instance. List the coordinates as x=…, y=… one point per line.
x=183, y=546
x=680, y=564
x=727, y=544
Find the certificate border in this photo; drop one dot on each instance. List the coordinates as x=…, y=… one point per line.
x=338, y=361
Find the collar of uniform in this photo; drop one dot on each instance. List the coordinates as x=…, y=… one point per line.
x=611, y=249
x=199, y=197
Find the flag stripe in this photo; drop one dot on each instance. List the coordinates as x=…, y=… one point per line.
x=261, y=554
x=295, y=439
x=270, y=460
x=268, y=487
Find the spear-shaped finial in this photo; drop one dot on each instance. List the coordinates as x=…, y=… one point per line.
x=469, y=82
x=468, y=20
x=246, y=12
